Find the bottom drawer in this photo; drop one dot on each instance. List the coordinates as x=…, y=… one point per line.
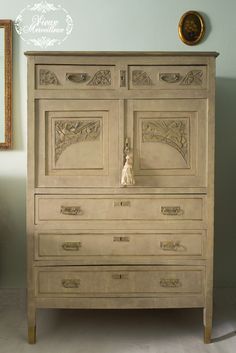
x=119, y=281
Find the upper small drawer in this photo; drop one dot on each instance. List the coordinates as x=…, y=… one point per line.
x=167, y=77
x=75, y=77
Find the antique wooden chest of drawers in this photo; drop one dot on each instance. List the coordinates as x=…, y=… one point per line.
x=94, y=242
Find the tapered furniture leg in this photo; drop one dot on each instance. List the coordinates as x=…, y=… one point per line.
x=207, y=334
x=31, y=325
x=32, y=334
x=207, y=320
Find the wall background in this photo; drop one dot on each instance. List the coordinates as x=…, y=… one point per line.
x=126, y=25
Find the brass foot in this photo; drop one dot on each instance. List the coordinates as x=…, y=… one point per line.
x=207, y=335
x=32, y=335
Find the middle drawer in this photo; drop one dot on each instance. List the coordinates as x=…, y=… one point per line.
x=110, y=207
x=70, y=245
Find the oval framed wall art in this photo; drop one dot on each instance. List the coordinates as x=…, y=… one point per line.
x=191, y=28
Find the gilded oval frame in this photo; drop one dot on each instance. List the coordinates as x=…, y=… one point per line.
x=191, y=27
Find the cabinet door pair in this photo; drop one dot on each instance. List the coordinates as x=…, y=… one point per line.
x=81, y=142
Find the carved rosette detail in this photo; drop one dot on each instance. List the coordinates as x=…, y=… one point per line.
x=101, y=78
x=141, y=78
x=167, y=131
x=47, y=77
x=68, y=132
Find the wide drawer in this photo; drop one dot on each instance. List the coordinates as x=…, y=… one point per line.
x=83, y=77
x=132, y=280
x=167, y=77
x=74, y=208
x=70, y=245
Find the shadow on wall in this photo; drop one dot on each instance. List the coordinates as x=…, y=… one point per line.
x=225, y=187
x=12, y=232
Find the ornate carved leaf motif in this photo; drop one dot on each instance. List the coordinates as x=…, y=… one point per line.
x=140, y=77
x=68, y=132
x=101, y=78
x=193, y=77
x=168, y=131
x=47, y=77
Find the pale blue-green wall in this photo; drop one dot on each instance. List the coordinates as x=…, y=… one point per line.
x=127, y=25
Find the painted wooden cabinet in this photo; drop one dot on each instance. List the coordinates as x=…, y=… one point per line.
x=92, y=242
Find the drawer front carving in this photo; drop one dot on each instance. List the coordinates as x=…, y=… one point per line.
x=97, y=208
x=167, y=77
x=149, y=280
x=83, y=77
x=65, y=245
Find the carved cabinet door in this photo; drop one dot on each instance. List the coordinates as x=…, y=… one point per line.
x=77, y=143
x=168, y=138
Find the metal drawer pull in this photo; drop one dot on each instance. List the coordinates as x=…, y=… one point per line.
x=170, y=283
x=124, y=238
x=78, y=78
x=119, y=276
x=71, y=246
x=71, y=210
x=70, y=283
x=122, y=204
x=171, y=77
x=122, y=78
x=172, y=210
x=171, y=245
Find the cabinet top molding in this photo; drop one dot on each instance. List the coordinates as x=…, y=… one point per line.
x=121, y=53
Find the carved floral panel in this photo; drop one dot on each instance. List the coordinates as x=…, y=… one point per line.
x=47, y=77
x=101, y=78
x=140, y=77
x=68, y=132
x=193, y=77
x=168, y=131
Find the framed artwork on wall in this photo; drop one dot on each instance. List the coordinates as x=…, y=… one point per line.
x=191, y=28
x=5, y=84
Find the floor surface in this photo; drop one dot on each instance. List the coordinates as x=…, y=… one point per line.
x=117, y=331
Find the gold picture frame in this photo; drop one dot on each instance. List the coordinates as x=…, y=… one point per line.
x=5, y=84
x=191, y=27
